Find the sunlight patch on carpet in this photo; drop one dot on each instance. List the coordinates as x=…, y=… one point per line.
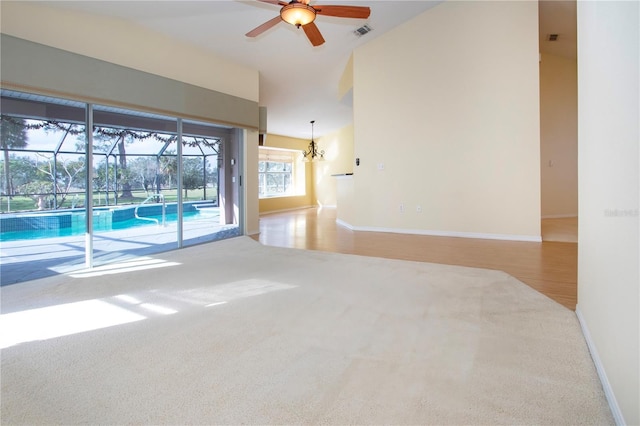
x=77, y=317
x=246, y=288
x=61, y=320
x=222, y=293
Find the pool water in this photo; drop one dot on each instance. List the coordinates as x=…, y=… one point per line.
x=78, y=226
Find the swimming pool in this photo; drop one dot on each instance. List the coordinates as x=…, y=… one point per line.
x=63, y=224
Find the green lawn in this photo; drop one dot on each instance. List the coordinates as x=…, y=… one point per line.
x=20, y=203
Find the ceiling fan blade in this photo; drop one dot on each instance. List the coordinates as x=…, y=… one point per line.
x=276, y=2
x=313, y=33
x=264, y=27
x=360, y=12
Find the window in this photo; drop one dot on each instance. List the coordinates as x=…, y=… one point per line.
x=125, y=189
x=280, y=174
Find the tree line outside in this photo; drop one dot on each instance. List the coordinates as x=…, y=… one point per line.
x=54, y=180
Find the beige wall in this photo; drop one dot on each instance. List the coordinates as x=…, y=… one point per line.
x=608, y=234
x=338, y=147
x=320, y=184
x=559, y=136
x=346, y=80
x=119, y=42
x=36, y=68
x=446, y=118
x=345, y=214
x=267, y=205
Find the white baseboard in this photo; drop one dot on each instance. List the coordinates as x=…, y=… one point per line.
x=343, y=223
x=602, y=374
x=558, y=216
x=505, y=237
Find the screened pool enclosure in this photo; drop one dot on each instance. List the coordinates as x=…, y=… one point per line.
x=138, y=183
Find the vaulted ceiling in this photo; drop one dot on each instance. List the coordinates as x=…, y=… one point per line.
x=298, y=82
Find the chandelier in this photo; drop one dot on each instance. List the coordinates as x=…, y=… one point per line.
x=314, y=153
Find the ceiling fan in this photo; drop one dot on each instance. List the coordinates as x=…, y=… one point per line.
x=301, y=14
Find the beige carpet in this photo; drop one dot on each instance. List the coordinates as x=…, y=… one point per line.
x=238, y=333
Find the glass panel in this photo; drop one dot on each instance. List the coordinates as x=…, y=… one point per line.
x=134, y=183
x=275, y=178
x=203, y=198
x=200, y=168
x=280, y=174
x=37, y=173
x=40, y=176
x=42, y=182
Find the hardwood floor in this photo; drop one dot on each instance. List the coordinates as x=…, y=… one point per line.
x=563, y=229
x=548, y=267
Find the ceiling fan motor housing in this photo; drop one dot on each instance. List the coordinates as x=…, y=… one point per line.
x=298, y=14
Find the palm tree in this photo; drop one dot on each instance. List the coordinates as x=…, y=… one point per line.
x=169, y=165
x=13, y=134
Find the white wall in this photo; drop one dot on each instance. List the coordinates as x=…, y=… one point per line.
x=448, y=105
x=609, y=186
x=559, y=136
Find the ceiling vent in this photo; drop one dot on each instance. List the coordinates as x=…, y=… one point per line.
x=552, y=37
x=363, y=30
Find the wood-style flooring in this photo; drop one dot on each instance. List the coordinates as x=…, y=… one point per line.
x=549, y=267
x=563, y=229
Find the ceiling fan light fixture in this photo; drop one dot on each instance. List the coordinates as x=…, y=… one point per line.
x=298, y=14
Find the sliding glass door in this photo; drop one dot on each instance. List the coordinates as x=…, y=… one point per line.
x=134, y=183
x=210, y=182
x=142, y=183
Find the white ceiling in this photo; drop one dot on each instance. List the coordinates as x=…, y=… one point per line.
x=298, y=82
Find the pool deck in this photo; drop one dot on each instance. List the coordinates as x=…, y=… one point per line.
x=26, y=260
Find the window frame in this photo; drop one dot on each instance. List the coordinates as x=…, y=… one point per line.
x=297, y=180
